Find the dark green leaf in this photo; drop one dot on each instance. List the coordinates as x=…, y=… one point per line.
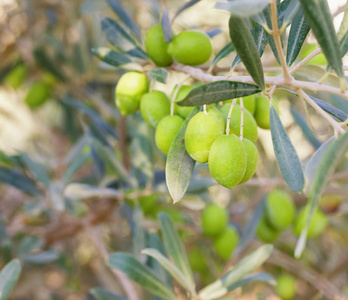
x=218, y=91
x=138, y=52
x=344, y=45
x=8, y=278
x=246, y=48
x=287, y=10
x=160, y=75
x=41, y=257
x=243, y=8
x=179, y=165
x=138, y=231
x=340, y=103
x=166, y=28
x=30, y=243
x=287, y=159
x=56, y=195
x=308, y=133
x=125, y=18
x=334, y=154
x=103, y=294
x=313, y=165
x=319, y=18
x=18, y=180
x=174, y=247
x=337, y=113
x=263, y=277
x=260, y=38
x=251, y=262
x=185, y=6
x=298, y=34
x=111, y=57
x=140, y=274
x=223, y=53
x=38, y=171
x=74, y=167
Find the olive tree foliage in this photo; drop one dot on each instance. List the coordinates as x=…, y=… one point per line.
x=159, y=263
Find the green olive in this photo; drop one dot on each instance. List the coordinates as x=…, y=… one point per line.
x=228, y=160
x=197, y=260
x=156, y=47
x=252, y=160
x=190, y=48
x=129, y=90
x=265, y=232
x=182, y=111
x=226, y=242
x=316, y=227
x=166, y=131
x=262, y=111
x=37, y=95
x=214, y=219
x=153, y=107
x=286, y=287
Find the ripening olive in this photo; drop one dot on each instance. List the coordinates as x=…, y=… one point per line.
x=129, y=90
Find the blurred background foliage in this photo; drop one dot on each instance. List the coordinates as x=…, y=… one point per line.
x=76, y=169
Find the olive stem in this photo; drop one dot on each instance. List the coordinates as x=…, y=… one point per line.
x=305, y=60
x=205, y=109
x=178, y=87
x=229, y=116
x=241, y=118
x=276, y=36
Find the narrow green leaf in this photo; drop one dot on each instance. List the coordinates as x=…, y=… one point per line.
x=333, y=155
x=287, y=10
x=125, y=17
x=166, y=27
x=287, y=159
x=174, y=247
x=246, y=49
x=251, y=262
x=29, y=244
x=263, y=277
x=313, y=165
x=142, y=275
x=298, y=34
x=103, y=294
x=223, y=53
x=40, y=258
x=55, y=192
x=260, y=38
x=344, y=25
x=319, y=18
x=138, y=232
x=179, y=165
x=243, y=8
x=19, y=180
x=8, y=278
x=171, y=268
x=79, y=191
x=185, y=6
x=38, y=171
x=74, y=167
x=111, y=57
x=160, y=75
x=218, y=91
x=307, y=132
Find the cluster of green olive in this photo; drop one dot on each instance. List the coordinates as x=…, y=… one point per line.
x=279, y=214
x=188, y=47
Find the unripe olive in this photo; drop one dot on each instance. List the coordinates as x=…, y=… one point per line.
x=280, y=209
x=147, y=203
x=182, y=111
x=153, y=107
x=156, y=47
x=226, y=242
x=16, y=76
x=330, y=203
x=250, y=127
x=265, y=232
x=317, y=225
x=262, y=111
x=190, y=48
x=213, y=110
x=319, y=59
x=197, y=260
x=214, y=219
x=227, y=160
x=166, y=131
x=286, y=287
x=37, y=95
x=202, y=130
x=129, y=90
x=252, y=160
